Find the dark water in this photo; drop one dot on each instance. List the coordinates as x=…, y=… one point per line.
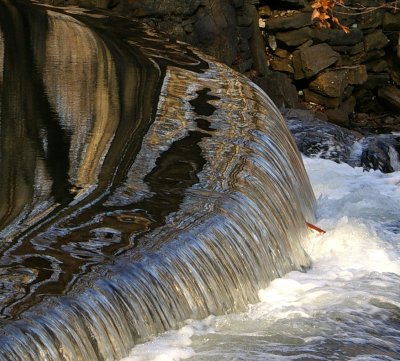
x=141, y=184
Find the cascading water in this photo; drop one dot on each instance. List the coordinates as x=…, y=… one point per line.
x=142, y=184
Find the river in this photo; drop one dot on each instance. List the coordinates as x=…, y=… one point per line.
x=347, y=307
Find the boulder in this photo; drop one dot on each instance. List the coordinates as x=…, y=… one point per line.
x=257, y=44
x=375, y=40
x=318, y=138
x=294, y=37
x=330, y=83
x=295, y=21
x=377, y=66
x=214, y=30
x=290, y=3
x=357, y=75
x=371, y=19
x=316, y=98
x=282, y=53
x=390, y=96
x=391, y=22
x=141, y=8
x=367, y=56
x=340, y=115
x=280, y=89
x=337, y=36
x=377, y=80
x=284, y=65
x=381, y=152
x=310, y=61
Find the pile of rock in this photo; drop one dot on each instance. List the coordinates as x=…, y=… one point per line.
x=337, y=72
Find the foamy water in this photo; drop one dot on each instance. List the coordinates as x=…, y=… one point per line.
x=347, y=307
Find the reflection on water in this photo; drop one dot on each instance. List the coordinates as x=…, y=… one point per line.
x=139, y=179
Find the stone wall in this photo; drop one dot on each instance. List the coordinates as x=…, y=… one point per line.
x=353, y=78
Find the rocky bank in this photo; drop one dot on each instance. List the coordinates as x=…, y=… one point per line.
x=352, y=80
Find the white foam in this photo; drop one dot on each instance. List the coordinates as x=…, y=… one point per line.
x=170, y=346
x=356, y=264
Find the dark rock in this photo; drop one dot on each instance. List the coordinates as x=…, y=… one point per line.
x=284, y=65
x=357, y=48
x=377, y=80
x=237, y=3
x=307, y=44
x=371, y=19
x=340, y=115
x=338, y=37
x=395, y=75
x=375, y=40
x=317, y=138
x=291, y=4
x=282, y=53
x=244, y=33
x=357, y=75
x=264, y=11
x=377, y=66
x=141, y=8
x=364, y=57
x=214, y=30
x=294, y=37
x=310, y=61
x=390, y=96
x=330, y=83
x=295, y=21
x=257, y=44
x=244, y=66
x=381, y=152
x=391, y=22
x=280, y=89
x=245, y=15
x=316, y=98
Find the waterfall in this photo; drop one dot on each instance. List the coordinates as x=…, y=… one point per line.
x=142, y=184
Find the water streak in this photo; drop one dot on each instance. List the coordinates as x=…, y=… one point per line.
x=142, y=184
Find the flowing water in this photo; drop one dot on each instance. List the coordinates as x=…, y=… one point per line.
x=142, y=184
x=347, y=307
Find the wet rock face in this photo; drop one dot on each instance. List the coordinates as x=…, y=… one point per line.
x=317, y=138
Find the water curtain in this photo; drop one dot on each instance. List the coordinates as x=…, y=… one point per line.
x=142, y=184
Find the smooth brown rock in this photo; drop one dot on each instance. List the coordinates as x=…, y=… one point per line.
x=357, y=75
x=310, y=61
x=330, y=83
x=284, y=65
x=316, y=98
x=282, y=53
